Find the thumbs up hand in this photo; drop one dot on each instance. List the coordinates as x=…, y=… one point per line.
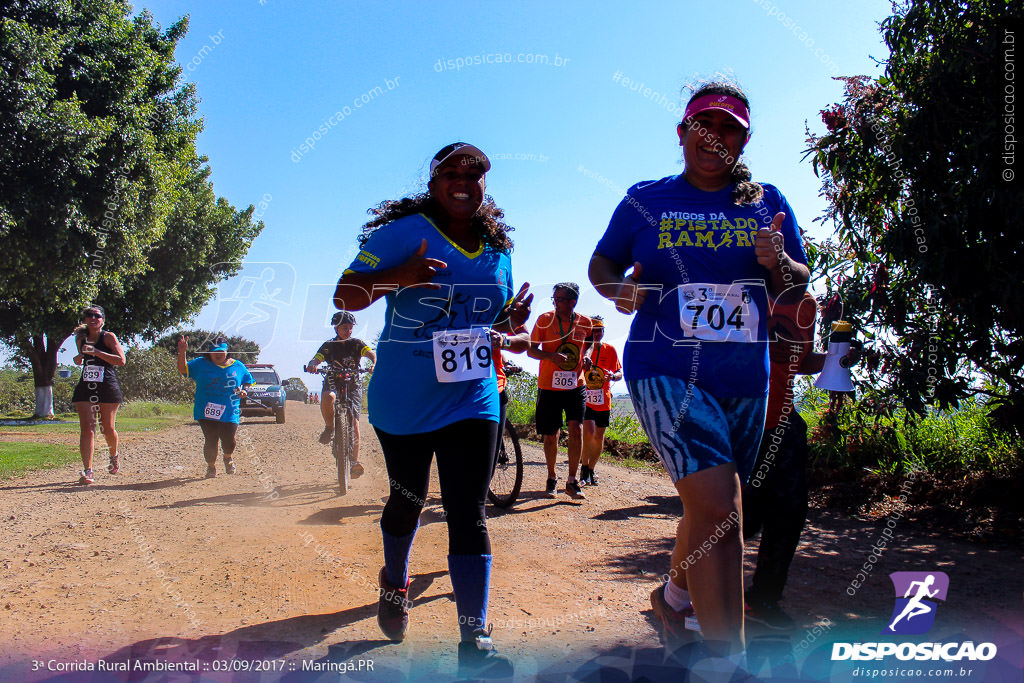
x=418, y=270
x=769, y=244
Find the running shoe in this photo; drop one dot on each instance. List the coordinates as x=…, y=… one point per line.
x=356, y=469
x=677, y=627
x=85, y=477
x=327, y=435
x=393, y=609
x=211, y=471
x=479, y=659
x=584, y=475
x=593, y=478
x=229, y=466
x=574, y=490
x=551, y=489
x=113, y=467
x=769, y=614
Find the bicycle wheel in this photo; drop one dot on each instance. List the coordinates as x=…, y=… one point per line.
x=508, y=470
x=342, y=446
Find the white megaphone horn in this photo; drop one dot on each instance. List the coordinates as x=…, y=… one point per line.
x=835, y=376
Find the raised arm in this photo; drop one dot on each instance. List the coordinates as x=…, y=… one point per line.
x=182, y=347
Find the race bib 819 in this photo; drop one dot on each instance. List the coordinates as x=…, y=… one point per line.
x=462, y=355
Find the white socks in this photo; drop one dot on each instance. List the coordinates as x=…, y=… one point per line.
x=676, y=597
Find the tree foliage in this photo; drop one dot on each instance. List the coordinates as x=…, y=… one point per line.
x=244, y=349
x=152, y=375
x=103, y=197
x=926, y=258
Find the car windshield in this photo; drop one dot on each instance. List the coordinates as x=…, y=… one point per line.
x=264, y=376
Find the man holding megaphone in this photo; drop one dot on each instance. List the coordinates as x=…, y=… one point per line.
x=775, y=497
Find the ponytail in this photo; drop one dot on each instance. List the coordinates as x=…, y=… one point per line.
x=745, y=191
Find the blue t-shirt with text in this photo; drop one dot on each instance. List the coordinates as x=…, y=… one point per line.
x=215, y=389
x=404, y=395
x=693, y=247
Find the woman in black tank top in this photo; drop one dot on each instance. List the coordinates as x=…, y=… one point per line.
x=97, y=395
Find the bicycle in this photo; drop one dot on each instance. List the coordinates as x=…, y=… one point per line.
x=343, y=441
x=507, y=478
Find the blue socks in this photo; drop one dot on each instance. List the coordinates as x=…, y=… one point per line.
x=396, y=558
x=471, y=581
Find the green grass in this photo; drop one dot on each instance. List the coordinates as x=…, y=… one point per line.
x=131, y=417
x=626, y=428
x=17, y=458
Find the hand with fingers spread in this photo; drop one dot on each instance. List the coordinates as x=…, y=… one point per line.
x=519, y=307
x=769, y=244
x=630, y=296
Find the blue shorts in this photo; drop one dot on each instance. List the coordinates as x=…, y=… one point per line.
x=691, y=430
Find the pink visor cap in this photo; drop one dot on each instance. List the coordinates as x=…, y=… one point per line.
x=726, y=103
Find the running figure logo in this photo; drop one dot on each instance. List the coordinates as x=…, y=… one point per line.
x=914, y=612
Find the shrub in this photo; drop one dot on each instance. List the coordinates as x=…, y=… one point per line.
x=152, y=375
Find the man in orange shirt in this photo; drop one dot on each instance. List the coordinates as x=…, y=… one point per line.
x=605, y=369
x=559, y=342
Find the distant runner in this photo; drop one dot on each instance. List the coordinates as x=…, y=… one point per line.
x=97, y=394
x=220, y=387
x=605, y=369
x=559, y=342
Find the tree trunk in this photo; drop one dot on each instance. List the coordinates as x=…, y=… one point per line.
x=44, y=401
x=42, y=350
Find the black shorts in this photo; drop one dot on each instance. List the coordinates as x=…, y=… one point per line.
x=551, y=403
x=355, y=393
x=600, y=417
x=107, y=391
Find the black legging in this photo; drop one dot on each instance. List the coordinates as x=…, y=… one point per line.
x=214, y=430
x=778, y=507
x=465, y=458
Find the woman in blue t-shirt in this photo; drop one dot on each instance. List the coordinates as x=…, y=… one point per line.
x=709, y=250
x=441, y=259
x=220, y=387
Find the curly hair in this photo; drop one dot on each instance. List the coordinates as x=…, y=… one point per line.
x=487, y=221
x=745, y=191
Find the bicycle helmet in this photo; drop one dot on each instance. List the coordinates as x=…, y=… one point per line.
x=343, y=318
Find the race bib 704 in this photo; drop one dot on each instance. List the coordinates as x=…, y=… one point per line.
x=719, y=312
x=462, y=355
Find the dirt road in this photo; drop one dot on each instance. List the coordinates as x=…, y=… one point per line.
x=158, y=564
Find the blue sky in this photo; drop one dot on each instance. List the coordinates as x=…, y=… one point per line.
x=533, y=84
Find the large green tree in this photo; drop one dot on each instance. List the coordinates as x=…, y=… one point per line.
x=927, y=255
x=247, y=350
x=103, y=197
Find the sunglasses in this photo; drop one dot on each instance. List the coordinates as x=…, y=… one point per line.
x=91, y=314
x=557, y=299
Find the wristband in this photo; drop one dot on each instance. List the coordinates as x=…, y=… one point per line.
x=506, y=343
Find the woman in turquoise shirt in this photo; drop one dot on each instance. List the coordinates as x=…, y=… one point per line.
x=220, y=387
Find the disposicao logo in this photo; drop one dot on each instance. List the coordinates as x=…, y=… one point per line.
x=913, y=614
x=916, y=593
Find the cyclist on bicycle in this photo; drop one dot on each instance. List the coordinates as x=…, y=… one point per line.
x=346, y=351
